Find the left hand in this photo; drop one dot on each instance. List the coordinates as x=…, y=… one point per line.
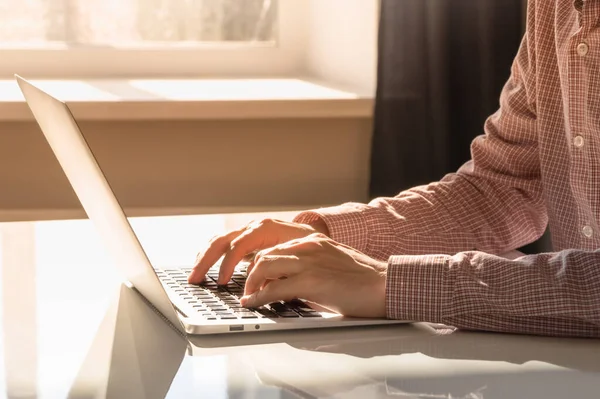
x=321, y=271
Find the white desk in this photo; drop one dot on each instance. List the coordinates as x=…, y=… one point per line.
x=69, y=329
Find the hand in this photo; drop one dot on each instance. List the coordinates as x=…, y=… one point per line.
x=321, y=271
x=237, y=244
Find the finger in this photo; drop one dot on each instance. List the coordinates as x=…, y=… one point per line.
x=250, y=267
x=211, y=255
x=249, y=241
x=250, y=257
x=297, y=246
x=280, y=290
x=271, y=268
x=257, y=237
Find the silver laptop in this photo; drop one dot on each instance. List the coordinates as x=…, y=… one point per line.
x=192, y=309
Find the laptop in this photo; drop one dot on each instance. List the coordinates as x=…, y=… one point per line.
x=191, y=309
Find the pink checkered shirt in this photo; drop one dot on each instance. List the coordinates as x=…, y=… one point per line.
x=538, y=162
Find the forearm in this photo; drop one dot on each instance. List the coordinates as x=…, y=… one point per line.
x=462, y=212
x=548, y=294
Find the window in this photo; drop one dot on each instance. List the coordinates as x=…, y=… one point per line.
x=330, y=41
x=134, y=23
x=150, y=38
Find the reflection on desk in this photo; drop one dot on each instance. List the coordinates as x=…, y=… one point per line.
x=137, y=355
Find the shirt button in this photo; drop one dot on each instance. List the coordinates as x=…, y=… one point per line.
x=588, y=231
x=582, y=49
x=578, y=142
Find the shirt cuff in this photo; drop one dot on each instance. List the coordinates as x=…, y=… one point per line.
x=417, y=287
x=347, y=224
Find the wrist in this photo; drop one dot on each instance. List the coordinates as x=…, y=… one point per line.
x=320, y=226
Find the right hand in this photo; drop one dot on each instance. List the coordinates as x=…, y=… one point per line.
x=256, y=236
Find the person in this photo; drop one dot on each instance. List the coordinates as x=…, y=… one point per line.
x=433, y=253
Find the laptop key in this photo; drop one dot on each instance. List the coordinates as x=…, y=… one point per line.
x=200, y=293
x=288, y=314
x=228, y=317
x=296, y=303
x=246, y=314
x=205, y=295
x=267, y=313
x=278, y=307
x=309, y=314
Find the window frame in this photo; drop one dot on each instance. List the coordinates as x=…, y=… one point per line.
x=285, y=58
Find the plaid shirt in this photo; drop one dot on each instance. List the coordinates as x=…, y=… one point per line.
x=538, y=162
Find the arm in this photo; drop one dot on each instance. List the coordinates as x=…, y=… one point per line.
x=547, y=294
x=494, y=203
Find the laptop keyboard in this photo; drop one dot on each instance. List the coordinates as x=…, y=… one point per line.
x=214, y=302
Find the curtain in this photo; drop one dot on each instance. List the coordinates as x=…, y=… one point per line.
x=442, y=65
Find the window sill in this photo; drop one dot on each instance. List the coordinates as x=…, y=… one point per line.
x=192, y=99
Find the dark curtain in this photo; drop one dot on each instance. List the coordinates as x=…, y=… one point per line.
x=442, y=66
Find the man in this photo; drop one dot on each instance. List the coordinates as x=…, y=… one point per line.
x=432, y=253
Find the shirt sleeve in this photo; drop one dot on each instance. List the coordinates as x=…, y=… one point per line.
x=493, y=204
x=549, y=294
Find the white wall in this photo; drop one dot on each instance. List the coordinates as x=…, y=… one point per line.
x=342, y=42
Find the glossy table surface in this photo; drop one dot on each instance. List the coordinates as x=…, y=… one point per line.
x=69, y=328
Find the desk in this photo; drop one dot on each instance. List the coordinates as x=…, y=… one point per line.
x=70, y=329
